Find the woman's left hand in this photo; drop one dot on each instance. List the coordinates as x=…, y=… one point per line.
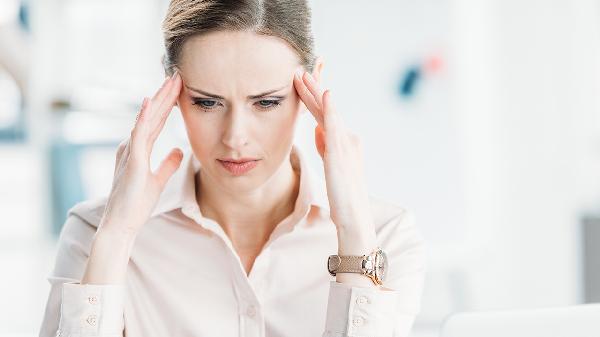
x=341, y=152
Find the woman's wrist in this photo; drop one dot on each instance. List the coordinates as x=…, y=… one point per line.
x=109, y=257
x=356, y=241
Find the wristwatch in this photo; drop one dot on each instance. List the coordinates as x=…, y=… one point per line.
x=373, y=265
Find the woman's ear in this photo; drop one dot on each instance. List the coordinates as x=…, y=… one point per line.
x=318, y=68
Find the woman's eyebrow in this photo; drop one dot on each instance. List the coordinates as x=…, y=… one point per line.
x=220, y=97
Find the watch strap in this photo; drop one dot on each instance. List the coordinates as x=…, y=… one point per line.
x=350, y=264
x=346, y=263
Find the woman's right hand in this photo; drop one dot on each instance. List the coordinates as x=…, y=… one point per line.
x=136, y=189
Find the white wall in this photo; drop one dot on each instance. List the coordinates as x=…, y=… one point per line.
x=541, y=124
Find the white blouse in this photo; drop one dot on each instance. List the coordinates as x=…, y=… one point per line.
x=185, y=279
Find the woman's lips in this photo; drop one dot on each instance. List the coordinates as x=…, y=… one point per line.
x=239, y=168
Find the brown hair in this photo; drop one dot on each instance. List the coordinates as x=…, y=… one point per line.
x=286, y=19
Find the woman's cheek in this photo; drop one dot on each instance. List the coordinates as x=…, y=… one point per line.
x=198, y=126
x=205, y=128
x=280, y=128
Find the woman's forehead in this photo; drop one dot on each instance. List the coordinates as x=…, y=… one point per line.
x=245, y=59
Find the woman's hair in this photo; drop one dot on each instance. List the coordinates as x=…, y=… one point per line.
x=286, y=19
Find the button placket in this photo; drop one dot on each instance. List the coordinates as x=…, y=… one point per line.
x=362, y=300
x=360, y=311
x=93, y=300
x=249, y=315
x=358, y=321
x=91, y=317
x=92, y=320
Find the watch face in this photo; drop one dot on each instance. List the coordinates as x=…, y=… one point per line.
x=381, y=265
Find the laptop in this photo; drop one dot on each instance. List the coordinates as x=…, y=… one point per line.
x=569, y=321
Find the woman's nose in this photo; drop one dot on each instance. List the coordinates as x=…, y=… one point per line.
x=235, y=134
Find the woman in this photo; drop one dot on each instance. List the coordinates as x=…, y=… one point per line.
x=234, y=237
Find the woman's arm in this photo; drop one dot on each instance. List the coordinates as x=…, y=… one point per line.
x=92, y=304
x=73, y=308
x=109, y=257
x=389, y=311
x=355, y=306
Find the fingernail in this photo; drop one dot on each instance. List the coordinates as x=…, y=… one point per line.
x=174, y=74
x=144, y=102
x=298, y=73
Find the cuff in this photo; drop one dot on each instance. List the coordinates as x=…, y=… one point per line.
x=360, y=311
x=92, y=309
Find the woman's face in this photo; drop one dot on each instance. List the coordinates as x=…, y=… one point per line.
x=238, y=101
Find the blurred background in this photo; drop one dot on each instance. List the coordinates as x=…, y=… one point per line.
x=481, y=116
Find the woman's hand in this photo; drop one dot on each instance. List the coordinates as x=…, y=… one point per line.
x=136, y=189
x=341, y=152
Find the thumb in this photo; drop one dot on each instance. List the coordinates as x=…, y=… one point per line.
x=320, y=140
x=168, y=166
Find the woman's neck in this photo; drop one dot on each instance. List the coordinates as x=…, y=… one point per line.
x=249, y=219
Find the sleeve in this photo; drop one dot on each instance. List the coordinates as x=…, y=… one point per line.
x=75, y=309
x=354, y=311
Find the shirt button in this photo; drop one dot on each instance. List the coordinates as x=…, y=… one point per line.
x=251, y=311
x=93, y=300
x=362, y=300
x=357, y=321
x=91, y=319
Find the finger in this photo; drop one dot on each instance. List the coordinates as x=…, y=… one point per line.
x=313, y=88
x=140, y=125
x=141, y=111
x=173, y=89
x=144, y=103
x=120, y=151
x=138, y=138
x=169, y=102
x=159, y=97
x=168, y=166
x=140, y=118
x=121, y=161
x=320, y=140
x=121, y=148
x=308, y=99
x=330, y=117
x=162, y=91
x=165, y=109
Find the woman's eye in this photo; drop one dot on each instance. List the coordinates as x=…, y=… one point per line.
x=205, y=104
x=267, y=103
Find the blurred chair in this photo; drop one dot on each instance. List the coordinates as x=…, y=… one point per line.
x=570, y=321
